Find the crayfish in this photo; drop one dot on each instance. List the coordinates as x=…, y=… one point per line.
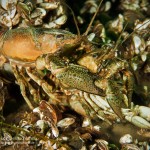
x=40, y=55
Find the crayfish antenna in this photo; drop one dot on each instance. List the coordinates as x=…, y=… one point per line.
x=90, y=24
x=92, y=20
x=118, y=43
x=75, y=20
x=118, y=40
x=134, y=31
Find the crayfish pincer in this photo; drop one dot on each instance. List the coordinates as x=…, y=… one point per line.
x=71, y=76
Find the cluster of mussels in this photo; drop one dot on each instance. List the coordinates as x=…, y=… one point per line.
x=23, y=13
x=119, y=51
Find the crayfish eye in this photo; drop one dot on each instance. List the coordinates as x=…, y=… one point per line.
x=60, y=36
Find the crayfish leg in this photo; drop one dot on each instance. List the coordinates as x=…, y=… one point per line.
x=22, y=83
x=129, y=82
x=115, y=98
